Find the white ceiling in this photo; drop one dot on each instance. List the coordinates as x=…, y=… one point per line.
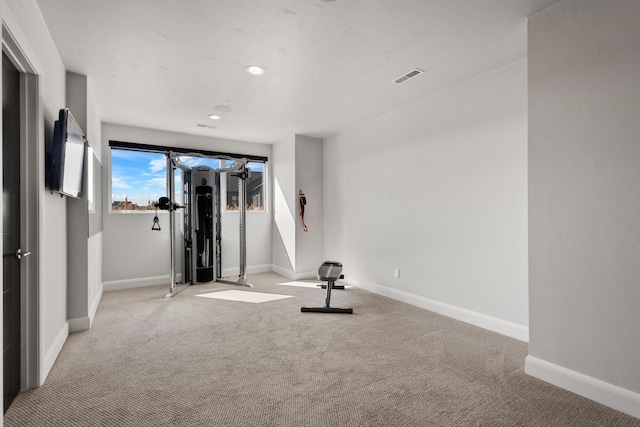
x=166, y=64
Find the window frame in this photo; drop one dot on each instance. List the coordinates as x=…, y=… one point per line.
x=265, y=186
x=120, y=145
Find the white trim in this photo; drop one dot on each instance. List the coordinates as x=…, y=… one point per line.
x=282, y=271
x=299, y=275
x=121, y=212
x=252, y=269
x=79, y=324
x=94, y=304
x=608, y=394
x=116, y=285
x=18, y=41
x=494, y=324
x=292, y=275
x=249, y=212
x=54, y=351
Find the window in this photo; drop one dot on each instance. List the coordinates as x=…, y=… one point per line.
x=138, y=180
x=190, y=162
x=255, y=189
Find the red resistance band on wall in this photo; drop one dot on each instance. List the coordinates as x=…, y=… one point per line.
x=303, y=202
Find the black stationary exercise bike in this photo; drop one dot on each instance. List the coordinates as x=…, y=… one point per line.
x=329, y=271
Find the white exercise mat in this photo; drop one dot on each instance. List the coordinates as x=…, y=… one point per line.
x=300, y=284
x=244, y=296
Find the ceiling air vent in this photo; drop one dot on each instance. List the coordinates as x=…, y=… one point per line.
x=411, y=74
x=206, y=126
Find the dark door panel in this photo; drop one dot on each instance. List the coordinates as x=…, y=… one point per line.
x=11, y=229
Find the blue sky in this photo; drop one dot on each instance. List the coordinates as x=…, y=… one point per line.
x=140, y=176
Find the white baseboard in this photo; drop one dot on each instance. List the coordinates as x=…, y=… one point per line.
x=282, y=271
x=79, y=324
x=300, y=275
x=52, y=353
x=608, y=394
x=494, y=324
x=115, y=285
x=292, y=275
x=251, y=269
x=95, y=303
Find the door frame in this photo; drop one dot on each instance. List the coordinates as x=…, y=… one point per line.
x=32, y=179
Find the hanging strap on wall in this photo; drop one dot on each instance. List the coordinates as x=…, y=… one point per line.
x=156, y=222
x=303, y=202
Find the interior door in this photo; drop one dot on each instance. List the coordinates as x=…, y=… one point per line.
x=11, y=228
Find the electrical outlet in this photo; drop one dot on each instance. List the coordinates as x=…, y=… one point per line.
x=396, y=273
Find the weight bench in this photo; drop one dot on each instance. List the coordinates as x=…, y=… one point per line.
x=329, y=271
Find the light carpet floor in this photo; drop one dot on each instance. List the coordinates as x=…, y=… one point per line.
x=194, y=361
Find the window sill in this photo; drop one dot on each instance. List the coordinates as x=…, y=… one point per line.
x=123, y=212
x=163, y=212
x=248, y=212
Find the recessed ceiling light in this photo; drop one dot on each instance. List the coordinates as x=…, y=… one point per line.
x=214, y=117
x=256, y=70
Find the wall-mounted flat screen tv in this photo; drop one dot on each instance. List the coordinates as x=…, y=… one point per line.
x=66, y=156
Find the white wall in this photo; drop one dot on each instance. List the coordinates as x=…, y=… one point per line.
x=284, y=207
x=297, y=165
x=1, y=266
x=94, y=245
x=77, y=218
x=438, y=189
x=134, y=254
x=584, y=171
x=27, y=25
x=84, y=251
x=310, y=244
